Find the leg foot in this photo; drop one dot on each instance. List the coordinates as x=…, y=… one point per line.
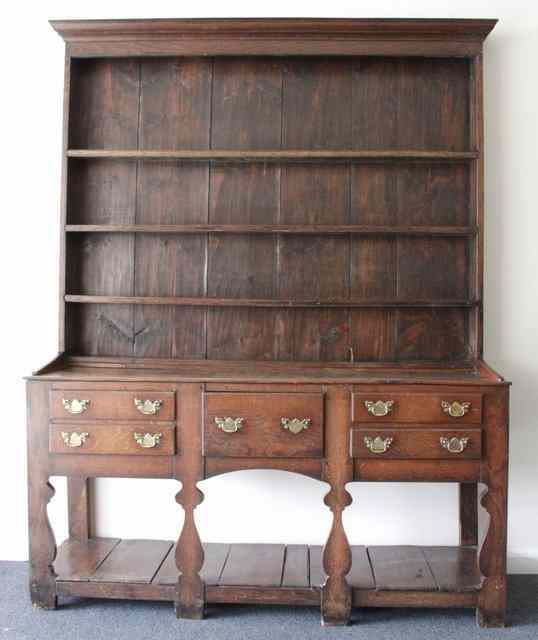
x=43, y=596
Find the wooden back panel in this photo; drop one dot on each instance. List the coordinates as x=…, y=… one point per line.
x=406, y=287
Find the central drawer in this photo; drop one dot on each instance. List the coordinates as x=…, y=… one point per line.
x=278, y=425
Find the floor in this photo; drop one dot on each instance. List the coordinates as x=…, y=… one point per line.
x=113, y=620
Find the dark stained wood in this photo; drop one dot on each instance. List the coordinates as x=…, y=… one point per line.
x=132, y=561
x=79, y=559
x=79, y=508
x=401, y=568
x=421, y=444
x=417, y=407
x=263, y=229
x=254, y=564
x=455, y=569
x=261, y=433
x=468, y=507
x=215, y=556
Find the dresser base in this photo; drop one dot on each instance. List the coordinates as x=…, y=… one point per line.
x=269, y=574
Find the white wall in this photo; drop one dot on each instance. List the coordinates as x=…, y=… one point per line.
x=281, y=506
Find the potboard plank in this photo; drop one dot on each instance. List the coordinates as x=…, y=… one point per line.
x=78, y=560
x=455, y=569
x=359, y=577
x=215, y=555
x=295, y=572
x=401, y=569
x=257, y=565
x=133, y=561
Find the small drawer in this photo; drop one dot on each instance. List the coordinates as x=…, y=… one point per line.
x=432, y=408
x=154, y=439
x=81, y=404
x=281, y=425
x=423, y=444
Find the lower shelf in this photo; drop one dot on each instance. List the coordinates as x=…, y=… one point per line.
x=269, y=573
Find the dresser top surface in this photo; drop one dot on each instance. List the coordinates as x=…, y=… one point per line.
x=144, y=369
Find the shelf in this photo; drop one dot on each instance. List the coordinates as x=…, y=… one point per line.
x=260, y=302
x=270, y=229
x=272, y=155
x=271, y=573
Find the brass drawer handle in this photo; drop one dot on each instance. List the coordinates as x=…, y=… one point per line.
x=295, y=425
x=455, y=409
x=454, y=445
x=379, y=408
x=229, y=425
x=148, y=407
x=147, y=440
x=74, y=439
x=378, y=444
x=75, y=406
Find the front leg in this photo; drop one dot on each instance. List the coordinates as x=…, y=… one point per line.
x=40, y=492
x=491, y=610
x=336, y=593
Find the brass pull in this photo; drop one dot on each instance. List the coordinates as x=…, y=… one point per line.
x=75, y=406
x=455, y=409
x=148, y=407
x=229, y=425
x=148, y=440
x=454, y=445
x=295, y=425
x=379, y=408
x=74, y=439
x=377, y=444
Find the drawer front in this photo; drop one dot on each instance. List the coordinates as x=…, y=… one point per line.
x=262, y=425
x=432, y=408
x=150, y=438
x=422, y=444
x=81, y=405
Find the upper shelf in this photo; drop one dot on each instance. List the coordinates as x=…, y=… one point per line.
x=247, y=155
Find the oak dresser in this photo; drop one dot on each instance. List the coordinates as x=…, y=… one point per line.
x=272, y=258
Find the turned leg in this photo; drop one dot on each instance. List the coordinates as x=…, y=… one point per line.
x=190, y=590
x=40, y=491
x=336, y=593
x=78, y=505
x=491, y=608
x=468, y=506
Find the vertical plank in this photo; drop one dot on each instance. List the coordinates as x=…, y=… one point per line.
x=316, y=104
x=431, y=334
x=411, y=103
x=174, y=114
x=103, y=115
x=246, y=114
x=432, y=268
x=401, y=569
x=79, y=507
x=468, y=508
x=257, y=565
x=373, y=334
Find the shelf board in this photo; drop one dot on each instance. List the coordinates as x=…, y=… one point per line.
x=247, y=155
x=260, y=302
x=273, y=573
x=273, y=229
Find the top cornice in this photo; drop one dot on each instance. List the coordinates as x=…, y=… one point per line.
x=78, y=31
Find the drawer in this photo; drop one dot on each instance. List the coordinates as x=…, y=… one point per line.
x=432, y=408
x=285, y=425
x=154, y=439
x=81, y=405
x=423, y=444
